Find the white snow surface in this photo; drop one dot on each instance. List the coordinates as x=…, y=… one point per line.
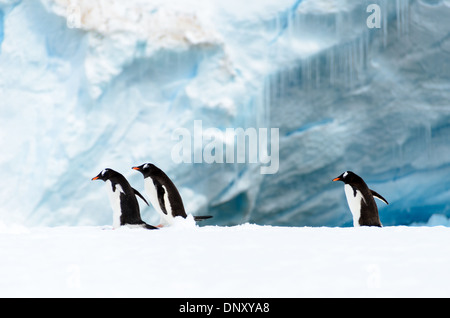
x=212, y=261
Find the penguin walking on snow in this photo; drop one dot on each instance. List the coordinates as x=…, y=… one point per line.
x=360, y=199
x=123, y=200
x=163, y=194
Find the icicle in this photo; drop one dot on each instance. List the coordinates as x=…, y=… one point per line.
x=330, y=60
x=384, y=20
x=402, y=10
x=317, y=71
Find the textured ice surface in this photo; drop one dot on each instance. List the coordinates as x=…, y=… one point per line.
x=107, y=88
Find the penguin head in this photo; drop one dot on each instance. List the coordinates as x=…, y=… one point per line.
x=347, y=177
x=105, y=174
x=147, y=169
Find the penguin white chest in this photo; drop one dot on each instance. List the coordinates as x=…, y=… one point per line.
x=150, y=189
x=152, y=192
x=354, y=199
x=114, y=199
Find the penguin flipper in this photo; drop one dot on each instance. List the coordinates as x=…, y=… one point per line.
x=136, y=192
x=378, y=196
x=161, y=192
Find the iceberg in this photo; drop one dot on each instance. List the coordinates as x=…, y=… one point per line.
x=87, y=85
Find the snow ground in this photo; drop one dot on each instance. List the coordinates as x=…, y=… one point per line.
x=210, y=261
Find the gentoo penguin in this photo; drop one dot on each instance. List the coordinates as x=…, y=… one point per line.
x=163, y=194
x=361, y=200
x=123, y=199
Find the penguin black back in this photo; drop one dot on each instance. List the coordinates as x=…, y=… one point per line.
x=361, y=200
x=123, y=198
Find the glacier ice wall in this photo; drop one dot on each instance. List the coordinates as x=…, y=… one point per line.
x=92, y=84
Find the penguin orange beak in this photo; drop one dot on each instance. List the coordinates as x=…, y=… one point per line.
x=136, y=168
x=337, y=179
x=95, y=178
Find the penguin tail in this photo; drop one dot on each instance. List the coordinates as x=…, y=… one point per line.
x=202, y=217
x=150, y=227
